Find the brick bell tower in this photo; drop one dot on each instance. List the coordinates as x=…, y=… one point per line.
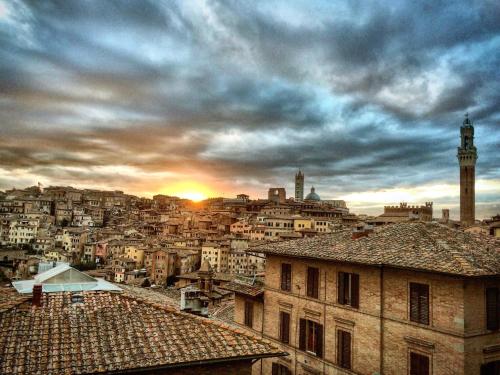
x=299, y=186
x=467, y=156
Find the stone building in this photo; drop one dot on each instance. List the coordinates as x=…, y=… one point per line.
x=277, y=195
x=299, y=186
x=313, y=196
x=412, y=298
x=467, y=156
x=405, y=212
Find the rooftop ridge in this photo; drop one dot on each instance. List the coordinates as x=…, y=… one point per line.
x=430, y=247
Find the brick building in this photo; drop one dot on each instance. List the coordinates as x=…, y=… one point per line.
x=412, y=298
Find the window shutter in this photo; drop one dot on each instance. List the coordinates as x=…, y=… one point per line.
x=341, y=288
x=424, y=304
x=419, y=364
x=355, y=290
x=275, y=369
x=346, y=349
x=414, y=316
x=319, y=340
x=249, y=314
x=315, y=283
x=339, y=347
x=302, y=334
x=285, y=327
x=309, y=282
x=492, y=309
x=286, y=276
x=283, y=284
x=312, y=282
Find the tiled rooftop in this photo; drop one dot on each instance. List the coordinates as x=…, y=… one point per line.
x=421, y=246
x=246, y=289
x=112, y=331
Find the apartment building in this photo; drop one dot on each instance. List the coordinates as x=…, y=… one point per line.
x=217, y=256
x=412, y=298
x=160, y=265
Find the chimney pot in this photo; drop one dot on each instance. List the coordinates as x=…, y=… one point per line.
x=37, y=295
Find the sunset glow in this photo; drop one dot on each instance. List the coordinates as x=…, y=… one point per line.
x=234, y=97
x=192, y=190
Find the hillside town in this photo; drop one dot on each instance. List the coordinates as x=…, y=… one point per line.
x=266, y=267
x=249, y=187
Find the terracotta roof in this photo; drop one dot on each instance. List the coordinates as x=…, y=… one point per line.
x=246, y=289
x=218, y=276
x=112, y=332
x=10, y=298
x=421, y=246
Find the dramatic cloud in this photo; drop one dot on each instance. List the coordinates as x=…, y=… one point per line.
x=150, y=96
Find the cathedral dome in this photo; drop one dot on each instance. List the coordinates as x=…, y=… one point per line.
x=312, y=196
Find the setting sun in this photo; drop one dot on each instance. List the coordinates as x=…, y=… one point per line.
x=188, y=189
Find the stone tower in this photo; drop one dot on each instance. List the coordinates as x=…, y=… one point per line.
x=467, y=156
x=299, y=186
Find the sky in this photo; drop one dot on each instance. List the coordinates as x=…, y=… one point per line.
x=208, y=98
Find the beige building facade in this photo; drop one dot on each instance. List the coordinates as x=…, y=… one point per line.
x=344, y=317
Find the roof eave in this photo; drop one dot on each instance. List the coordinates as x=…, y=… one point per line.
x=195, y=363
x=379, y=265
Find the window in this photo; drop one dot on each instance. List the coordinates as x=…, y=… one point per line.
x=344, y=349
x=348, y=289
x=419, y=303
x=312, y=282
x=492, y=308
x=419, y=364
x=284, y=327
x=279, y=369
x=286, y=277
x=249, y=313
x=311, y=337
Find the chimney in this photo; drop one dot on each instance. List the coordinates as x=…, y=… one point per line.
x=37, y=295
x=359, y=234
x=361, y=231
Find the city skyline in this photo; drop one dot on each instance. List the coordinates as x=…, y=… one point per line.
x=208, y=99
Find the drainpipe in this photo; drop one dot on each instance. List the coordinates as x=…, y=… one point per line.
x=297, y=329
x=262, y=325
x=324, y=328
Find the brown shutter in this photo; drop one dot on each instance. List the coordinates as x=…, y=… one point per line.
x=346, y=349
x=414, y=316
x=316, y=283
x=283, y=285
x=309, y=282
x=341, y=288
x=492, y=309
x=319, y=340
x=312, y=282
x=286, y=276
x=419, y=364
x=354, y=290
x=339, y=347
x=424, y=303
x=289, y=277
x=275, y=369
x=249, y=314
x=302, y=334
x=285, y=327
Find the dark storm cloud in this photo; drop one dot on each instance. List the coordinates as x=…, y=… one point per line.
x=361, y=93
